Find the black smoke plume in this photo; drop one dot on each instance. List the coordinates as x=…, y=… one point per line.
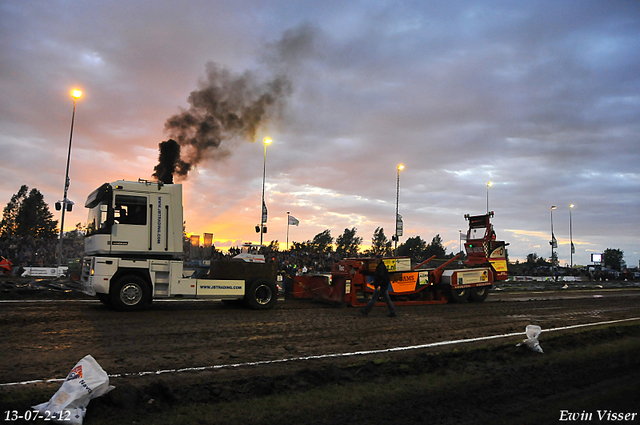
x=169, y=162
x=225, y=106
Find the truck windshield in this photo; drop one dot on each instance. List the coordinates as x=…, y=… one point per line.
x=99, y=204
x=98, y=220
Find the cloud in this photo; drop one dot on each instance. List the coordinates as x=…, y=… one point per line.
x=540, y=98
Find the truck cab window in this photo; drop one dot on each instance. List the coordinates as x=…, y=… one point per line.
x=130, y=210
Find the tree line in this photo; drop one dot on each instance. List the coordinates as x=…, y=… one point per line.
x=27, y=215
x=349, y=244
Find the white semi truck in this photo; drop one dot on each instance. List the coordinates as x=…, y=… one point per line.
x=134, y=246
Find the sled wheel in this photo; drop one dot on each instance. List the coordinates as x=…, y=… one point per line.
x=458, y=295
x=130, y=293
x=478, y=294
x=261, y=294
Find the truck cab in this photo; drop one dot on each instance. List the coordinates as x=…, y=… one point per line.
x=133, y=218
x=133, y=249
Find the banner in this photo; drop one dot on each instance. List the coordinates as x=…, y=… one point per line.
x=554, y=242
x=399, y=225
x=264, y=212
x=293, y=221
x=573, y=248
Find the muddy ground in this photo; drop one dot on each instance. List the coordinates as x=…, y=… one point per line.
x=44, y=335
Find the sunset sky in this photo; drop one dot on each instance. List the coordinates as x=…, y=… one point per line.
x=542, y=98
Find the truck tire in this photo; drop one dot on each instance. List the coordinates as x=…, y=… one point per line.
x=478, y=294
x=261, y=294
x=458, y=295
x=130, y=293
x=104, y=298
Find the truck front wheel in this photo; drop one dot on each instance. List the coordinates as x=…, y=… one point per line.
x=130, y=293
x=261, y=294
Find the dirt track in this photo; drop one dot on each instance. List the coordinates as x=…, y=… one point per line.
x=44, y=339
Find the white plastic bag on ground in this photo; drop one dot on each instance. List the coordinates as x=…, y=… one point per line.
x=87, y=380
x=532, y=332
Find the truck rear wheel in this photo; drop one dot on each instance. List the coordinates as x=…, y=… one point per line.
x=478, y=294
x=458, y=295
x=261, y=294
x=130, y=293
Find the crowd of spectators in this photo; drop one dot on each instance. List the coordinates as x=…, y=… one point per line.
x=28, y=251
x=301, y=262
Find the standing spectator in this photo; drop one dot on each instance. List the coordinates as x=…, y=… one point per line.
x=289, y=274
x=381, y=282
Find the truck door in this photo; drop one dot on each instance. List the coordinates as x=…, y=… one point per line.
x=130, y=224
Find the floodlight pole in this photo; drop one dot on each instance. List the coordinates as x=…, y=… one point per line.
x=553, y=239
x=266, y=142
x=395, y=240
x=76, y=95
x=571, y=233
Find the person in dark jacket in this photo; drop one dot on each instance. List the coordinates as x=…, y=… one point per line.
x=381, y=282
